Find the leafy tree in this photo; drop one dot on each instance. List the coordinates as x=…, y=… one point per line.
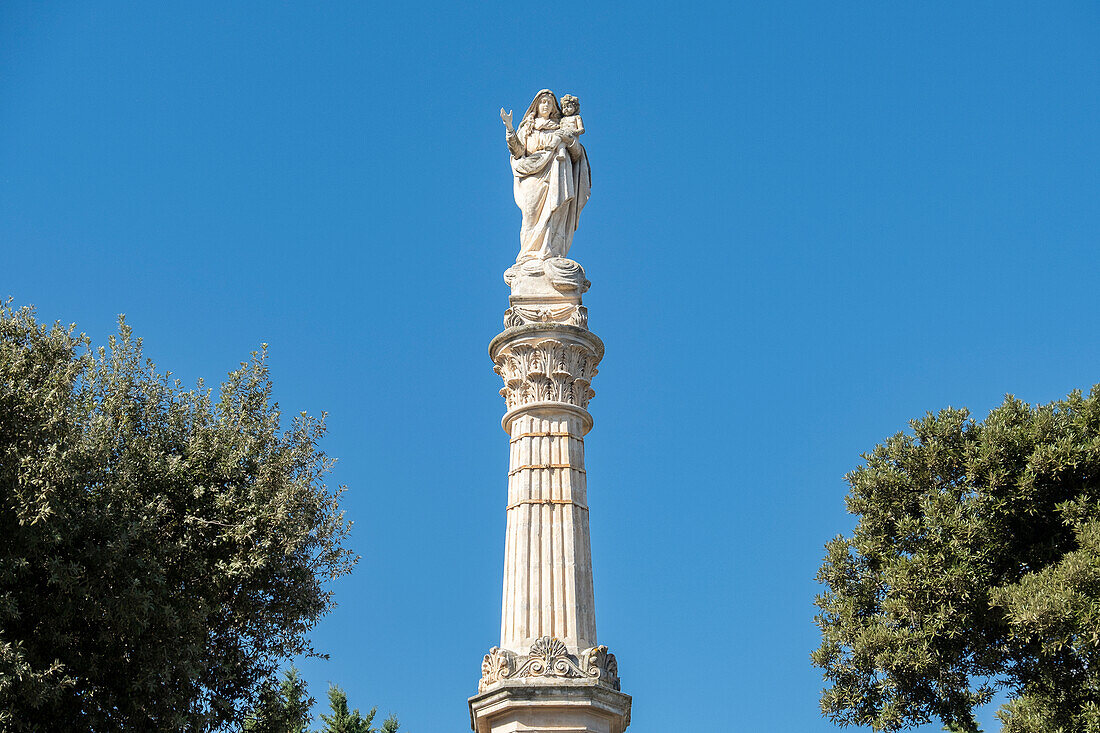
x=975, y=564
x=282, y=708
x=161, y=549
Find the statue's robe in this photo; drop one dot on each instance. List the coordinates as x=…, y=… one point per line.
x=552, y=185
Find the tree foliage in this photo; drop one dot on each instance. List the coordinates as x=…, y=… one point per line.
x=342, y=720
x=282, y=708
x=975, y=565
x=161, y=549
x=285, y=708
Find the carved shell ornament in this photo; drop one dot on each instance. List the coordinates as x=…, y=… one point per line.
x=549, y=656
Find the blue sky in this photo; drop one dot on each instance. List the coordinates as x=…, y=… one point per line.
x=810, y=223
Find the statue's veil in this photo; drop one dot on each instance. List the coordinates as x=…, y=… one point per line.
x=532, y=111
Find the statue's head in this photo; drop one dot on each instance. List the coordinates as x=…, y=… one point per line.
x=544, y=105
x=570, y=105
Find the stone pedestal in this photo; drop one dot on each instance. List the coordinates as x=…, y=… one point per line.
x=574, y=707
x=549, y=673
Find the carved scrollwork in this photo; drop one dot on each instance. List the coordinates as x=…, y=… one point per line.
x=596, y=662
x=549, y=657
x=546, y=371
x=513, y=318
x=498, y=664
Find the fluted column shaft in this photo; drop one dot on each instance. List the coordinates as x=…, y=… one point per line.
x=548, y=558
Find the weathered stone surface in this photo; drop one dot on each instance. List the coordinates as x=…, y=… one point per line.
x=567, y=706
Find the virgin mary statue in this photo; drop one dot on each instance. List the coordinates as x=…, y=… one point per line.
x=552, y=179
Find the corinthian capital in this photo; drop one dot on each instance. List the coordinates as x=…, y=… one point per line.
x=546, y=363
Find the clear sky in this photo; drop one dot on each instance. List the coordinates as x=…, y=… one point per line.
x=810, y=222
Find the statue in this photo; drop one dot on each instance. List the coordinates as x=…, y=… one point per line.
x=552, y=178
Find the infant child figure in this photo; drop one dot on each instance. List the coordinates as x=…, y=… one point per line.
x=570, y=115
x=571, y=123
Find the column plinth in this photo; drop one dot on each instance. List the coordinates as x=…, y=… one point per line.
x=571, y=706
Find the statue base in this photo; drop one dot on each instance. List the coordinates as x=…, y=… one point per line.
x=563, y=706
x=546, y=291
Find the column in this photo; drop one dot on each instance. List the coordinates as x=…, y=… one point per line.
x=549, y=672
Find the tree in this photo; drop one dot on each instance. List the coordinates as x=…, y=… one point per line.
x=975, y=565
x=341, y=720
x=389, y=725
x=282, y=708
x=285, y=709
x=161, y=549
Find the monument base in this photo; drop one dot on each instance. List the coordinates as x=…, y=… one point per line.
x=564, y=706
x=546, y=291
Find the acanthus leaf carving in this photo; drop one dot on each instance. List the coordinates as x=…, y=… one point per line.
x=597, y=662
x=548, y=370
x=497, y=665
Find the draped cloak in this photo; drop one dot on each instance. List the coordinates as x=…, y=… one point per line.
x=552, y=185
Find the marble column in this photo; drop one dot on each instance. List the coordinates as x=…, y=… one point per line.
x=549, y=673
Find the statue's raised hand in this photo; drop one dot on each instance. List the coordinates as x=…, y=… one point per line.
x=506, y=118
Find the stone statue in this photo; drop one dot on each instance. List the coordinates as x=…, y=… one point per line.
x=552, y=178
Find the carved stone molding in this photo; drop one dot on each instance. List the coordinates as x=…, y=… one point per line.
x=546, y=370
x=549, y=658
x=521, y=315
